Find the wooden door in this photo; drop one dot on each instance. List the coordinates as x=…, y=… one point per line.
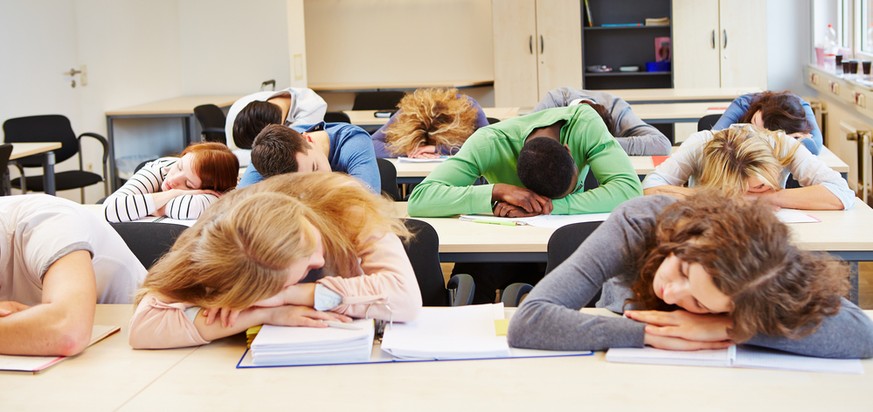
x=744, y=43
x=559, y=44
x=696, y=44
x=515, y=59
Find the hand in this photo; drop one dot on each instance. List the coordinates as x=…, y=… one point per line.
x=228, y=316
x=526, y=199
x=423, y=152
x=684, y=325
x=679, y=192
x=291, y=315
x=504, y=209
x=766, y=198
x=9, y=307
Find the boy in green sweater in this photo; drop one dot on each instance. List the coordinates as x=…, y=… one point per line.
x=496, y=152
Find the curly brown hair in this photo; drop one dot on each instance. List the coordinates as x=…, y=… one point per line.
x=439, y=117
x=776, y=289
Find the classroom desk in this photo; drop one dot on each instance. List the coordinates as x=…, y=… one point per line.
x=181, y=107
x=401, y=86
x=20, y=150
x=667, y=96
x=367, y=117
x=412, y=172
x=111, y=376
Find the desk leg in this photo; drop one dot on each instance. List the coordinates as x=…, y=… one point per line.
x=853, y=281
x=113, y=168
x=189, y=130
x=48, y=173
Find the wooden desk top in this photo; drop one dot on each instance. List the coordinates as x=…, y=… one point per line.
x=681, y=95
x=682, y=112
x=111, y=376
x=357, y=87
x=20, y=150
x=181, y=105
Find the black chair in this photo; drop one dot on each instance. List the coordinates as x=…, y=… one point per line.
x=388, y=175
x=492, y=120
x=562, y=244
x=54, y=128
x=423, y=252
x=707, y=122
x=5, y=153
x=212, y=120
x=379, y=100
x=148, y=240
x=337, y=117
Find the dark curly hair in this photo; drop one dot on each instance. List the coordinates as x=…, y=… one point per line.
x=252, y=119
x=546, y=167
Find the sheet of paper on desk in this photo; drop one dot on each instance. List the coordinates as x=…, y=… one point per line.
x=404, y=159
x=742, y=356
x=794, y=216
x=36, y=364
x=547, y=221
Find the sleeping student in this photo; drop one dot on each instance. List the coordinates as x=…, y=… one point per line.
x=246, y=259
x=699, y=273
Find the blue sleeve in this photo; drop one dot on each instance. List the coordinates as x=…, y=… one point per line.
x=734, y=112
x=250, y=177
x=357, y=158
x=378, y=138
x=481, y=118
x=814, y=144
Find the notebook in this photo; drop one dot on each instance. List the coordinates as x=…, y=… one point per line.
x=547, y=221
x=36, y=364
x=285, y=345
x=439, y=159
x=735, y=357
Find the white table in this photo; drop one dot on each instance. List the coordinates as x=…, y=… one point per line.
x=20, y=150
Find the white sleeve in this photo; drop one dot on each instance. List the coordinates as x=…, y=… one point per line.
x=681, y=165
x=133, y=201
x=307, y=107
x=809, y=170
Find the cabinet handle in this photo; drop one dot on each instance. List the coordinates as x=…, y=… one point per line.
x=530, y=43
x=542, y=45
x=724, y=33
x=713, y=39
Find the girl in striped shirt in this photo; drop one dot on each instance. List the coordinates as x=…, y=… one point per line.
x=176, y=187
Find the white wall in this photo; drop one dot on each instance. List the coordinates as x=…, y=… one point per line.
x=788, y=44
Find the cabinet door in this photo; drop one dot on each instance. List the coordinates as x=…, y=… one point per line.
x=696, y=45
x=744, y=43
x=559, y=42
x=515, y=48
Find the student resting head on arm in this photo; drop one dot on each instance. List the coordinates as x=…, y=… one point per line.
x=177, y=187
x=251, y=113
x=635, y=136
x=58, y=260
x=429, y=123
x=322, y=147
x=775, y=111
x=496, y=153
x=745, y=159
x=699, y=273
x=294, y=250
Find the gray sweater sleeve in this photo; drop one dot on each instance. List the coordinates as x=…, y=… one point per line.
x=848, y=334
x=550, y=319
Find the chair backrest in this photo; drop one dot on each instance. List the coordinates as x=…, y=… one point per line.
x=43, y=128
x=706, y=122
x=148, y=240
x=212, y=120
x=5, y=153
x=565, y=241
x=423, y=252
x=388, y=175
x=381, y=100
x=337, y=117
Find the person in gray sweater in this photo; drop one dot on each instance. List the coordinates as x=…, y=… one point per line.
x=635, y=136
x=709, y=271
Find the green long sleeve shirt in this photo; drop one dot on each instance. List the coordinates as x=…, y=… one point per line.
x=492, y=152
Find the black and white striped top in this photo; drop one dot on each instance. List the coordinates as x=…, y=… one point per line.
x=134, y=201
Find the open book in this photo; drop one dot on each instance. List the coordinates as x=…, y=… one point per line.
x=735, y=357
x=36, y=364
x=285, y=345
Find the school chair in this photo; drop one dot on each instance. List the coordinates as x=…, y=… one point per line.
x=54, y=128
x=388, y=175
x=562, y=243
x=5, y=153
x=706, y=122
x=212, y=120
x=378, y=100
x=337, y=117
x=423, y=252
x=148, y=240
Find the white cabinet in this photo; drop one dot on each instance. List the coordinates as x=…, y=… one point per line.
x=537, y=47
x=719, y=43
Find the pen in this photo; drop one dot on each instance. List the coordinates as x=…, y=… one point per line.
x=496, y=222
x=341, y=325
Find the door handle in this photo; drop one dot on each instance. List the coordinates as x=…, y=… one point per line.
x=724, y=34
x=530, y=43
x=542, y=45
x=713, y=39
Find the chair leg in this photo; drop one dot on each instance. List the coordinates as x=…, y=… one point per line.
x=22, y=177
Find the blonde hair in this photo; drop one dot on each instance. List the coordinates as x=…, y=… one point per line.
x=439, y=117
x=239, y=250
x=742, y=151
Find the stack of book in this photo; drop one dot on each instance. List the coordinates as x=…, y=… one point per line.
x=657, y=21
x=283, y=345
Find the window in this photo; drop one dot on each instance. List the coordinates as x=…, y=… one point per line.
x=853, y=22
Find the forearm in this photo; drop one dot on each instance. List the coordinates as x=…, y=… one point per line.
x=247, y=318
x=679, y=192
x=126, y=208
x=815, y=197
x=436, y=199
x=188, y=207
x=46, y=330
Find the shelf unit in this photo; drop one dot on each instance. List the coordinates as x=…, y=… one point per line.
x=617, y=46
